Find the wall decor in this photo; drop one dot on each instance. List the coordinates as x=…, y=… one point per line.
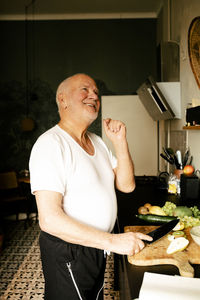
x=194, y=48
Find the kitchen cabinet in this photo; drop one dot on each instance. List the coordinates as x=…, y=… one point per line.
x=148, y=189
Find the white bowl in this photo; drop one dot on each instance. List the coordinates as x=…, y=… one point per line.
x=195, y=234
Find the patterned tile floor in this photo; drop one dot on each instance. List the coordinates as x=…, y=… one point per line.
x=21, y=276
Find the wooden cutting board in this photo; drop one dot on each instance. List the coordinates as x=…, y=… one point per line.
x=156, y=253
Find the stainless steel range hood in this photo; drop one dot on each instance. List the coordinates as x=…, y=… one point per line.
x=154, y=101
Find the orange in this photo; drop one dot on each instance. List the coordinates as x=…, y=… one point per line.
x=188, y=170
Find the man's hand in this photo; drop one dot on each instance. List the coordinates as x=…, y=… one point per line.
x=128, y=243
x=115, y=130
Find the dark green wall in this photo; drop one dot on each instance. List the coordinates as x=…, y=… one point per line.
x=119, y=54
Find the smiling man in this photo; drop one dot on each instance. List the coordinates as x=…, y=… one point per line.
x=73, y=177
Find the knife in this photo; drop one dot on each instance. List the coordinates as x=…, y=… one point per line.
x=169, y=160
x=186, y=156
x=168, y=154
x=162, y=231
x=179, y=158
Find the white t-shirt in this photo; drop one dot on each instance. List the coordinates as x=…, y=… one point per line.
x=58, y=163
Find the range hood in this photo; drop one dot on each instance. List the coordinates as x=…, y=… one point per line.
x=155, y=101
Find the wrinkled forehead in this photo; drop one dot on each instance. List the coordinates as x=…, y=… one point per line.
x=82, y=80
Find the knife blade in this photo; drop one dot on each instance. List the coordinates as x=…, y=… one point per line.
x=179, y=157
x=162, y=231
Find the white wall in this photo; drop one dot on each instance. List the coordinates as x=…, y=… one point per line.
x=181, y=14
x=141, y=131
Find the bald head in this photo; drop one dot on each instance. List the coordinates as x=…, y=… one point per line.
x=64, y=86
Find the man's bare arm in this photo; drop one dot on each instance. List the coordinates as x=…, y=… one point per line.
x=55, y=221
x=124, y=172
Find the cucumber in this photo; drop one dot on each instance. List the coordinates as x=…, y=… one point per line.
x=155, y=218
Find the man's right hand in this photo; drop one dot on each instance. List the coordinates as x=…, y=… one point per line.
x=128, y=243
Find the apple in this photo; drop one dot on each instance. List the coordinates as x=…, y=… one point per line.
x=188, y=170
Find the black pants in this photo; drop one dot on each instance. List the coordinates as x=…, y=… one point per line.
x=71, y=272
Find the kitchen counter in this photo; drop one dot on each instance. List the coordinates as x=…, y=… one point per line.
x=151, y=190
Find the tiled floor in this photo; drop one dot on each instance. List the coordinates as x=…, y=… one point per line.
x=21, y=274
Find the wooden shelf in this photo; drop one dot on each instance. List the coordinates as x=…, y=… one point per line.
x=197, y=127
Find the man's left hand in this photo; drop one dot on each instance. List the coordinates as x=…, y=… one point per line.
x=115, y=130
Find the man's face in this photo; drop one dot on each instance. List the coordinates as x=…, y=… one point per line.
x=82, y=97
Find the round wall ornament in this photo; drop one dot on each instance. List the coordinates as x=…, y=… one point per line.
x=194, y=47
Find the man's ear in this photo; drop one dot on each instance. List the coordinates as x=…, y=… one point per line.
x=61, y=100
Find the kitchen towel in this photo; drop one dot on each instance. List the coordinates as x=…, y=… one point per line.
x=165, y=287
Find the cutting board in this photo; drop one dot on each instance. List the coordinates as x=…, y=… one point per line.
x=156, y=253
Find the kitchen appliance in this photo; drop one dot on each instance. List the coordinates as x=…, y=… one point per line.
x=189, y=188
x=161, y=231
x=161, y=99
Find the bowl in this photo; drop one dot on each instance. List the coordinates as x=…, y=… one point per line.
x=195, y=234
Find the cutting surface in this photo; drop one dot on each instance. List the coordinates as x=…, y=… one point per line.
x=156, y=253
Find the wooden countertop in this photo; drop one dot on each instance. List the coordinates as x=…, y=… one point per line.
x=128, y=205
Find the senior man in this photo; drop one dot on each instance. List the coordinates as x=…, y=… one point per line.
x=73, y=177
